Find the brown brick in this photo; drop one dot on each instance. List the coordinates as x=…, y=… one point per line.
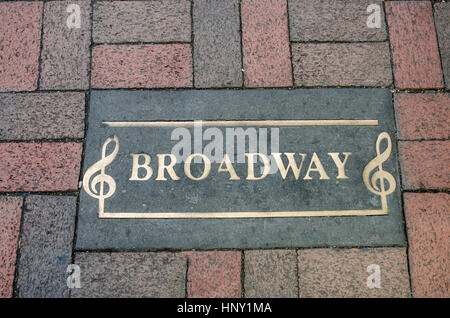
x=65, y=51
x=337, y=273
x=142, y=66
x=422, y=116
x=214, y=274
x=442, y=18
x=341, y=64
x=428, y=225
x=42, y=115
x=425, y=164
x=270, y=274
x=20, y=38
x=217, y=44
x=265, y=41
x=46, y=246
x=330, y=20
x=39, y=166
x=142, y=21
x=10, y=213
x=414, y=46
x=131, y=275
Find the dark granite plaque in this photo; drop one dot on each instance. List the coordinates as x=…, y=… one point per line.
x=203, y=169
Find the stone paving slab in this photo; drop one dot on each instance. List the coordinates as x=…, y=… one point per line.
x=10, y=214
x=328, y=20
x=53, y=115
x=336, y=273
x=428, y=227
x=211, y=194
x=111, y=275
x=46, y=246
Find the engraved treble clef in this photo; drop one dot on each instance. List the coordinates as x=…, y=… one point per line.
x=90, y=185
x=375, y=184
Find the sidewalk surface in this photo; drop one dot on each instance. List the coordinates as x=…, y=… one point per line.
x=47, y=70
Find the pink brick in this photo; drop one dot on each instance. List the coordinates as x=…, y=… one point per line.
x=423, y=116
x=425, y=164
x=214, y=274
x=39, y=166
x=20, y=32
x=10, y=213
x=428, y=226
x=142, y=66
x=265, y=41
x=414, y=45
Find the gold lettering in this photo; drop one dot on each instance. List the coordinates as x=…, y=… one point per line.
x=319, y=168
x=251, y=168
x=136, y=166
x=229, y=167
x=339, y=164
x=206, y=169
x=292, y=164
x=162, y=166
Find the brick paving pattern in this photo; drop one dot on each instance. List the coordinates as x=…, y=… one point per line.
x=48, y=69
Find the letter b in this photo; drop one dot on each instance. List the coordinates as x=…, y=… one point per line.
x=137, y=166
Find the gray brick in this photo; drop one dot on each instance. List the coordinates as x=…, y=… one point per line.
x=142, y=21
x=330, y=20
x=46, y=246
x=131, y=275
x=65, y=52
x=42, y=115
x=271, y=273
x=217, y=44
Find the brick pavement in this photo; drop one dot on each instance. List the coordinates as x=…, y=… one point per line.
x=47, y=71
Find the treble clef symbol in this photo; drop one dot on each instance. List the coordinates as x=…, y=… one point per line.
x=90, y=186
x=376, y=184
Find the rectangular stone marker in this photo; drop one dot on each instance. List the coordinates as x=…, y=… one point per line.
x=150, y=181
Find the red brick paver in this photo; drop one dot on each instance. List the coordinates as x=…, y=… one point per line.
x=422, y=116
x=20, y=31
x=214, y=274
x=425, y=164
x=142, y=21
x=142, y=66
x=42, y=115
x=341, y=64
x=428, y=225
x=271, y=273
x=414, y=45
x=344, y=272
x=39, y=166
x=10, y=212
x=265, y=42
x=65, y=51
